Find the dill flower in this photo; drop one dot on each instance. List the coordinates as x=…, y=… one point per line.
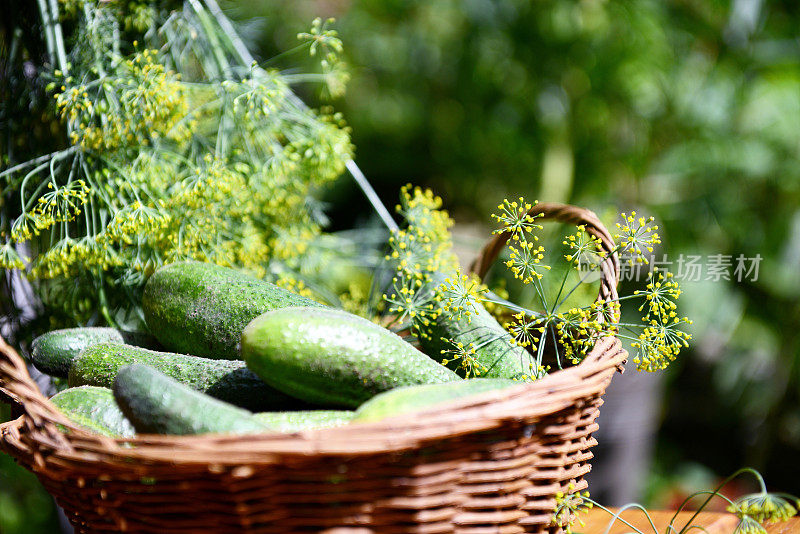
x=577, y=330
x=636, y=237
x=660, y=295
x=465, y=357
x=411, y=299
x=514, y=218
x=569, y=506
x=583, y=245
x=525, y=332
x=764, y=507
x=460, y=294
x=525, y=261
x=659, y=344
x=748, y=525
x=321, y=37
x=525, y=256
x=9, y=259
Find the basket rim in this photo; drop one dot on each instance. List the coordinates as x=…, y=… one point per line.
x=36, y=434
x=525, y=403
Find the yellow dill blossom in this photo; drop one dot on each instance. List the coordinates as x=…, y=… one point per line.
x=568, y=507
x=417, y=252
x=659, y=344
x=258, y=98
x=59, y=204
x=464, y=356
x=636, y=237
x=460, y=294
x=577, y=330
x=425, y=244
x=148, y=104
x=525, y=331
x=411, y=299
x=763, y=507
x=525, y=256
x=9, y=259
x=525, y=261
x=748, y=525
x=660, y=295
x=23, y=228
x=514, y=218
x=583, y=245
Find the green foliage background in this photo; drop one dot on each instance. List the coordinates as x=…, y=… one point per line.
x=686, y=110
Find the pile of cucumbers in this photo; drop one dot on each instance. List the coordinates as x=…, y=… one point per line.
x=230, y=353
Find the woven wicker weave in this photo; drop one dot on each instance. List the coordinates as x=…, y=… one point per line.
x=491, y=463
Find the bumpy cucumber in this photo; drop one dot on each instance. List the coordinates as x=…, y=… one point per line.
x=95, y=409
x=158, y=404
x=414, y=398
x=304, y=420
x=226, y=380
x=331, y=357
x=53, y=352
x=201, y=308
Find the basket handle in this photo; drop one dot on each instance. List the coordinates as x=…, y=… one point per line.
x=568, y=214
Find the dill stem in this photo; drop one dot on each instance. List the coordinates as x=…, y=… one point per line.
x=711, y=496
x=561, y=289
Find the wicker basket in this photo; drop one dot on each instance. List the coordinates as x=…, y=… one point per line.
x=488, y=463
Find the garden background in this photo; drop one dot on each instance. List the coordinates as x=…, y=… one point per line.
x=686, y=110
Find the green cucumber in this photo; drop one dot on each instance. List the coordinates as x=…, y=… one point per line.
x=304, y=420
x=53, y=352
x=415, y=398
x=158, y=404
x=202, y=308
x=95, y=409
x=331, y=357
x=226, y=380
x=498, y=356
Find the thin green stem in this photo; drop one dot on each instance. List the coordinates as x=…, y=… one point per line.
x=58, y=36
x=711, y=496
x=561, y=288
x=617, y=516
x=222, y=61
x=37, y=161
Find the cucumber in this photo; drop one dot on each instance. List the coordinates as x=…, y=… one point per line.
x=158, y=404
x=331, y=357
x=202, y=308
x=226, y=380
x=415, y=398
x=304, y=420
x=95, y=409
x=493, y=348
x=53, y=352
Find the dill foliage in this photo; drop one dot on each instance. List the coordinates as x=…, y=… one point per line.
x=180, y=147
